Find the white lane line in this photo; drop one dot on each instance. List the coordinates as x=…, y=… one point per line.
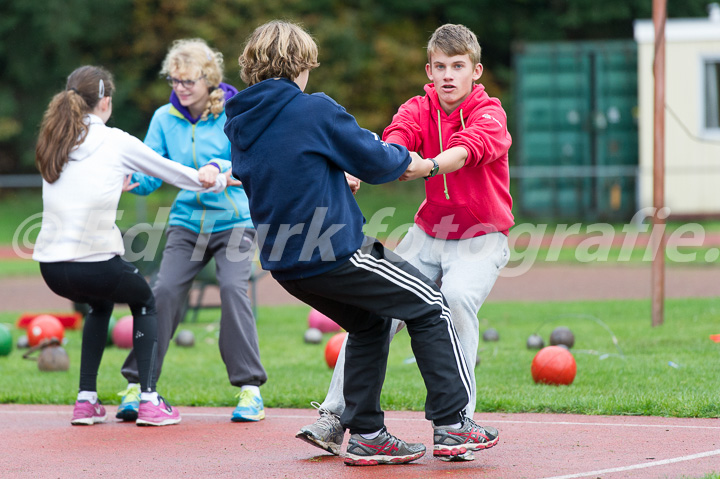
x=504, y=421
x=604, y=424
x=310, y=415
x=646, y=465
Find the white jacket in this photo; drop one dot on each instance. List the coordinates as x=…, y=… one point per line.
x=80, y=208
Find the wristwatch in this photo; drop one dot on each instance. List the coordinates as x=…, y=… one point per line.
x=434, y=169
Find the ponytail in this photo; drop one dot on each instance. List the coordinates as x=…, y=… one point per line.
x=63, y=125
x=61, y=130
x=215, y=104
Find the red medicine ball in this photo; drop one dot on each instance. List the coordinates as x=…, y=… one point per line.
x=332, y=349
x=553, y=365
x=44, y=327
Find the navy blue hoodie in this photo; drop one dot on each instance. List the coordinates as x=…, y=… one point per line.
x=291, y=150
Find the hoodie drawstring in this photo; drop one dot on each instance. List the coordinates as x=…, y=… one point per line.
x=462, y=122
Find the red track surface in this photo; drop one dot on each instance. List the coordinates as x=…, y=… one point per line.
x=540, y=283
x=39, y=442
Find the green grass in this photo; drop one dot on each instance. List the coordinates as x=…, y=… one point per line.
x=19, y=223
x=18, y=267
x=633, y=377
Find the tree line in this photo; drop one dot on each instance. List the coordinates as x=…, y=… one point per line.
x=372, y=52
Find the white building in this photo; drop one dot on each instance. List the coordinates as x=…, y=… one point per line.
x=692, y=113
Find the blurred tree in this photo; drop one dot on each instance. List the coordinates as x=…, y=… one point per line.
x=40, y=43
x=372, y=51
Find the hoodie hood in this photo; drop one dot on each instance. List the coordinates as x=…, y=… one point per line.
x=476, y=97
x=251, y=111
x=91, y=142
x=229, y=91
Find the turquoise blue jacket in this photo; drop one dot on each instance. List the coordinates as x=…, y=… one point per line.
x=195, y=144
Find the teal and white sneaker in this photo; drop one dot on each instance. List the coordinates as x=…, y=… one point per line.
x=250, y=408
x=130, y=404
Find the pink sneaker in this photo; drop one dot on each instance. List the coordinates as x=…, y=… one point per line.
x=87, y=413
x=161, y=415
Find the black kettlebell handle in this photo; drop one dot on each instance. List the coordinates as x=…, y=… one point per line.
x=43, y=344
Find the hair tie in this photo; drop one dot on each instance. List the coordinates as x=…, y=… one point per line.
x=72, y=88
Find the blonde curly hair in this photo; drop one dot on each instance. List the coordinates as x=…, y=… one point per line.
x=192, y=57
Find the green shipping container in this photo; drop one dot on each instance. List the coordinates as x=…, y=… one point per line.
x=575, y=152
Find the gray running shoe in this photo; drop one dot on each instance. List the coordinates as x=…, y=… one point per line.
x=384, y=449
x=457, y=444
x=326, y=433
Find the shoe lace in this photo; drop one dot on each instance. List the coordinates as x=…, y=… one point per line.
x=132, y=393
x=471, y=423
x=246, y=397
x=386, y=436
x=328, y=419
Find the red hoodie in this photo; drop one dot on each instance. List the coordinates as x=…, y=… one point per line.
x=475, y=199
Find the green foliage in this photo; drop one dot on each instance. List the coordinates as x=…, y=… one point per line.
x=372, y=51
x=664, y=371
x=40, y=44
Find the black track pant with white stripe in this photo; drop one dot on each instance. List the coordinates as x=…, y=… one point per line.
x=362, y=295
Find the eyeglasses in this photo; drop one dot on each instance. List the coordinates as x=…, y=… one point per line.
x=173, y=82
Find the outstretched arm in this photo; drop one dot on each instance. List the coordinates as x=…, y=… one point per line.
x=363, y=155
x=137, y=156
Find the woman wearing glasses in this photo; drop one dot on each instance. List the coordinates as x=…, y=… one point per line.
x=189, y=130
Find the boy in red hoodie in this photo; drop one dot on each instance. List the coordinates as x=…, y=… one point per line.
x=459, y=238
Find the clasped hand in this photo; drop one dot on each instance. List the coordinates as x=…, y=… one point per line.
x=418, y=168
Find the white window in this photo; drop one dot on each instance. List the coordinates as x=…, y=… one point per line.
x=711, y=96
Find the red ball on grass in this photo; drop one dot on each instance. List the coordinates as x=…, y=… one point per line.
x=122, y=332
x=332, y=349
x=44, y=327
x=553, y=365
x=317, y=320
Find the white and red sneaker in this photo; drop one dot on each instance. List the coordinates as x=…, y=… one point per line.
x=384, y=449
x=457, y=444
x=161, y=415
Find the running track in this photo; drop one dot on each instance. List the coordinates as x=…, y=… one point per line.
x=38, y=441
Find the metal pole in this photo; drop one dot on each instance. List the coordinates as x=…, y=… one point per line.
x=658, y=236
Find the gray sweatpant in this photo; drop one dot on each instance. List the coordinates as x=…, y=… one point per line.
x=466, y=271
x=184, y=256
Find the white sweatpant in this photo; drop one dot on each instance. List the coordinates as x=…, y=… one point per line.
x=466, y=271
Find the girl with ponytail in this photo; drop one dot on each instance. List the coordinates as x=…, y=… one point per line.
x=83, y=164
x=63, y=126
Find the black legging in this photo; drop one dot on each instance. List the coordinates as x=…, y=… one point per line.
x=101, y=284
